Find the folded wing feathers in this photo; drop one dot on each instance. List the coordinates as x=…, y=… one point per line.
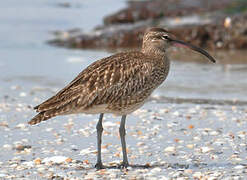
x=102, y=82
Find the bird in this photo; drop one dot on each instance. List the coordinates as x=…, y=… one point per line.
x=118, y=84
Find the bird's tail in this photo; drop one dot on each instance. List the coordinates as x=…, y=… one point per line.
x=39, y=117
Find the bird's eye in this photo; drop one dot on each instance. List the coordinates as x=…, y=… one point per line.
x=165, y=37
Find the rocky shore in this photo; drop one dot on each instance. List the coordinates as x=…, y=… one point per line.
x=209, y=24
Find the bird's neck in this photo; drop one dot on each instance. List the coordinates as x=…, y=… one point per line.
x=160, y=61
x=154, y=52
x=158, y=56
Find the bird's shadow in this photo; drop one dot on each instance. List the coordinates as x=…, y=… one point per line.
x=136, y=166
x=176, y=166
x=148, y=166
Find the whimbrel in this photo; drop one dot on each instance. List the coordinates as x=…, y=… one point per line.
x=118, y=84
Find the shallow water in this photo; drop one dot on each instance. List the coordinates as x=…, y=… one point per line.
x=32, y=71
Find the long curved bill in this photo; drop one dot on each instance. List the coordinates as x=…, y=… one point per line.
x=195, y=48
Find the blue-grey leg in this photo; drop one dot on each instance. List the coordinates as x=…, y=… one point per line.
x=99, y=128
x=122, y=136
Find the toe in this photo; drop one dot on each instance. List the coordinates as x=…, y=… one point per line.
x=123, y=165
x=99, y=166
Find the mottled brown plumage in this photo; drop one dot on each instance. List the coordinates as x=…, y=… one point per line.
x=118, y=84
x=121, y=83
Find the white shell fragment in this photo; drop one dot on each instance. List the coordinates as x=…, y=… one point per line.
x=55, y=159
x=170, y=149
x=206, y=149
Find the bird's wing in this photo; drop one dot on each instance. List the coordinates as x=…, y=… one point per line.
x=121, y=82
x=104, y=82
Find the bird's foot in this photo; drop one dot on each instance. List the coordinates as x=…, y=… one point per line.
x=123, y=165
x=99, y=166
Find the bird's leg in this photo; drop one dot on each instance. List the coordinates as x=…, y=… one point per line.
x=99, y=128
x=122, y=136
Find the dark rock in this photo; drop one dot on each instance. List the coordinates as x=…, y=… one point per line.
x=124, y=29
x=106, y=38
x=143, y=10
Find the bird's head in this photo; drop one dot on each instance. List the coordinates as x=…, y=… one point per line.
x=158, y=40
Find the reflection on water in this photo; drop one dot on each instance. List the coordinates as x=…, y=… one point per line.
x=28, y=62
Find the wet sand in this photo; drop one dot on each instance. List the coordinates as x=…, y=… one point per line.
x=187, y=140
